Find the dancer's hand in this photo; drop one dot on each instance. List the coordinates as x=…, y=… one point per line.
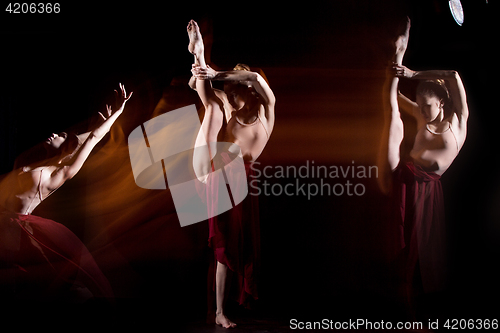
x=122, y=97
x=203, y=73
x=402, y=71
x=109, y=112
x=109, y=117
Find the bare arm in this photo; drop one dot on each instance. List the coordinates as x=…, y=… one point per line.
x=252, y=78
x=458, y=95
x=260, y=85
x=407, y=105
x=208, y=73
x=202, y=84
x=234, y=75
x=92, y=138
x=83, y=136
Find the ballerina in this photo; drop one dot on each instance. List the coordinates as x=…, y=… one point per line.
x=41, y=258
x=441, y=113
x=247, y=106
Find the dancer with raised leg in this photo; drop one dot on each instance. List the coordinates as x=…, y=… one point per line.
x=247, y=106
x=441, y=113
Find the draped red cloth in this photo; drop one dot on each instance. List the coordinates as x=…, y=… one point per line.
x=234, y=235
x=419, y=213
x=43, y=260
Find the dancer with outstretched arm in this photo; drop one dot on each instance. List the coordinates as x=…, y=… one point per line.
x=41, y=259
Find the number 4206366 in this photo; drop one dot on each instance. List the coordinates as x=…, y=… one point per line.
x=33, y=8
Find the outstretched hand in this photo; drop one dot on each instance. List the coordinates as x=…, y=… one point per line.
x=109, y=118
x=121, y=97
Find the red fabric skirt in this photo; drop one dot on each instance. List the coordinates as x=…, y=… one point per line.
x=234, y=235
x=419, y=213
x=43, y=260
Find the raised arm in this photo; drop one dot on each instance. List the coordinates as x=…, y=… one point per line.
x=69, y=170
x=457, y=92
x=408, y=106
x=260, y=85
x=252, y=78
x=257, y=82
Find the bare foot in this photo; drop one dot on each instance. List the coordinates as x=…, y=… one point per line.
x=221, y=319
x=195, y=40
x=402, y=43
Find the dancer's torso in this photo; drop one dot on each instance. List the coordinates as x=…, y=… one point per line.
x=251, y=138
x=22, y=189
x=249, y=130
x=433, y=150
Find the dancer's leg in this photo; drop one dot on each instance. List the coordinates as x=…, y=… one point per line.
x=220, y=294
x=389, y=156
x=210, y=127
x=214, y=116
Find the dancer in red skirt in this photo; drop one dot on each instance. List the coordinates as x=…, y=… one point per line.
x=41, y=259
x=247, y=106
x=441, y=113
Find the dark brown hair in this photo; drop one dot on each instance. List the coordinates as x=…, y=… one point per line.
x=241, y=67
x=438, y=89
